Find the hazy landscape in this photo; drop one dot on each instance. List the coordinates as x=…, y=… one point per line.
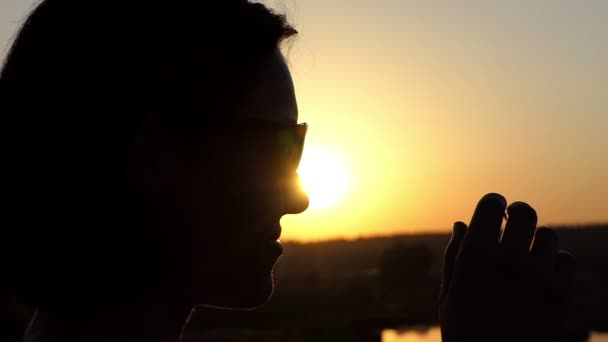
x=353, y=290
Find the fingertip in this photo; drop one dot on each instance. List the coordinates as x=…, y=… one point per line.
x=565, y=262
x=547, y=229
x=459, y=228
x=567, y=256
x=547, y=235
x=544, y=248
x=522, y=208
x=493, y=197
x=487, y=220
x=491, y=205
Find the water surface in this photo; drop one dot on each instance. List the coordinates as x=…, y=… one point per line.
x=426, y=334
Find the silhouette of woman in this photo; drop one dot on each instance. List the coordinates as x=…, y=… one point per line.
x=151, y=149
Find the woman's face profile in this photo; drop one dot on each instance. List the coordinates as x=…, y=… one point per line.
x=220, y=203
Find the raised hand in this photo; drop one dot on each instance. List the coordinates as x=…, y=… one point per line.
x=514, y=287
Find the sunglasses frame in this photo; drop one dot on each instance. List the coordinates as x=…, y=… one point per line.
x=289, y=136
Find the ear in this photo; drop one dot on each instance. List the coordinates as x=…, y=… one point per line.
x=151, y=156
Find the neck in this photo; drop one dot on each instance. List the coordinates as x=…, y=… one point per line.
x=153, y=319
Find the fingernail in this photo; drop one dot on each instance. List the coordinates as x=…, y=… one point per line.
x=522, y=208
x=494, y=198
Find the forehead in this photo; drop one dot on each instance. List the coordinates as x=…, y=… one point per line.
x=273, y=95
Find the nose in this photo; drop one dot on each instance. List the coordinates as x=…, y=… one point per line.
x=295, y=198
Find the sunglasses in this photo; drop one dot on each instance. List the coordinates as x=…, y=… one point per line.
x=283, y=141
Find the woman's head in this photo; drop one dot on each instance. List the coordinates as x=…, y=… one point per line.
x=146, y=148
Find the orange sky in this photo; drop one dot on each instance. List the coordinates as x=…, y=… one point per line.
x=430, y=105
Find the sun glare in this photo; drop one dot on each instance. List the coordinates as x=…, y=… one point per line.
x=324, y=177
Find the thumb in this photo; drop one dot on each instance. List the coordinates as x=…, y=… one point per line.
x=451, y=251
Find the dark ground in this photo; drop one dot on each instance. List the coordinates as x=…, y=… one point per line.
x=351, y=290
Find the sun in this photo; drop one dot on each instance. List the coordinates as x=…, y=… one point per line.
x=324, y=177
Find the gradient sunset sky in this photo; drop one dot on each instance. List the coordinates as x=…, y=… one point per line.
x=431, y=104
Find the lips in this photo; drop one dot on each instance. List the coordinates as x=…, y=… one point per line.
x=275, y=231
x=264, y=234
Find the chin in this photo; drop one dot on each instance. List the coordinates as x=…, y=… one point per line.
x=242, y=294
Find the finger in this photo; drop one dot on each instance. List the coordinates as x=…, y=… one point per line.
x=545, y=246
x=519, y=230
x=565, y=270
x=458, y=232
x=486, y=221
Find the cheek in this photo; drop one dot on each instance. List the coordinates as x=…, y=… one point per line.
x=230, y=195
x=249, y=195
